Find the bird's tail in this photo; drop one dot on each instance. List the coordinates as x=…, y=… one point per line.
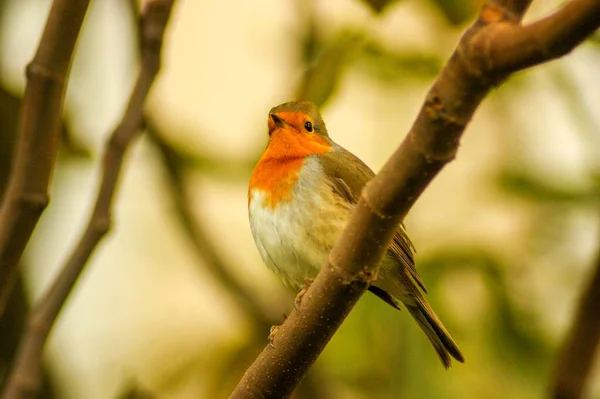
x=440, y=338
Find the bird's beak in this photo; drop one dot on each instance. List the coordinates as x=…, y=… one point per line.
x=275, y=122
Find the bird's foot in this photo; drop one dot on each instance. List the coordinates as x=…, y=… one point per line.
x=272, y=333
x=298, y=300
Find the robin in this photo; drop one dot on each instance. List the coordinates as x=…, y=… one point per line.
x=300, y=198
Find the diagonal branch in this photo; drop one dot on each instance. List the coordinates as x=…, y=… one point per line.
x=581, y=344
x=39, y=129
x=24, y=379
x=472, y=71
x=552, y=37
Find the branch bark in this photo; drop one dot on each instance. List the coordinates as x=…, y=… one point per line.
x=480, y=62
x=580, y=347
x=38, y=137
x=24, y=379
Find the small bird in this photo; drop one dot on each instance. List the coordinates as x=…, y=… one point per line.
x=300, y=197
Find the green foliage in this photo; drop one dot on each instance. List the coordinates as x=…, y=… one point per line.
x=536, y=189
x=397, y=67
x=505, y=322
x=325, y=71
x=458, y=11
x=379, y=5
x=330, y=60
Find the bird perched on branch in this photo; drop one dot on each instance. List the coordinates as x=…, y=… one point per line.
x=300, y=198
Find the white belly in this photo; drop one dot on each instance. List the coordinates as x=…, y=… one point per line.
x=294, y=240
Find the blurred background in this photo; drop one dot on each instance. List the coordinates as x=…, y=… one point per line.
x=176, y=302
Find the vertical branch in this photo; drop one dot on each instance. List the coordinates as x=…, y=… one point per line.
x=24, y=379
x=38, y=137
x=580, y=347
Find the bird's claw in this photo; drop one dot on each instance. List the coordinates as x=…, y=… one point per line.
x=298, y=299
x=303, y=289
x=272, y=333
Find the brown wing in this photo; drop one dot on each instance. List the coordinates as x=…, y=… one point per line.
x=349, y=175
x=404, y=251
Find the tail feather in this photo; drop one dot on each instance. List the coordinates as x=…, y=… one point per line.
x=436, y=332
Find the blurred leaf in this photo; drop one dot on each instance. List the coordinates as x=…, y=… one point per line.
x=229, y=364
x=134, y=391
x=512, y=329
x=581, y=114
x=393, y=66
x=309, y=41
x=215, y=165
x=458, y=11
x=71, y=146
x=314, y=385
x=322, y=76
x=367, y=360
x=535, y=189
x=199, y=160
x=378, y=5
x=2, y=8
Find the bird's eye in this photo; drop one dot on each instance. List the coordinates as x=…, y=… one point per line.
x=308, y=126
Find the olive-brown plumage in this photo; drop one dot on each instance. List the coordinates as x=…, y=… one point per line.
x=300, y=197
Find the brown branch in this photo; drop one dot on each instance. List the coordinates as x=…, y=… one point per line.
x=39, y=122
x=581, y=344
x=472, y=71
x=24, y=379
x=546, y=39
x=12, y=324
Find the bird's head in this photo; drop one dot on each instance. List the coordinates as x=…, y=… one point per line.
x=296, y=132
x=299, y=117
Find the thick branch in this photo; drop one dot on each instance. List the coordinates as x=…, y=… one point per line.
x=552, y=37
x=471, y=72
x=24, y=379
x=38, y=137
x=581, y=344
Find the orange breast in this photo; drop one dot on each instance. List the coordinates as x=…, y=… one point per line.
x=277, y=170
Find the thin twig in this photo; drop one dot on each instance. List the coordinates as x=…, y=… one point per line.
x=38, y=137
x=24, y=379
x=472, y=71
x=581, y=344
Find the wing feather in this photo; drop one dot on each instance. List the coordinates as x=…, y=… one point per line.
x=348, y=176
